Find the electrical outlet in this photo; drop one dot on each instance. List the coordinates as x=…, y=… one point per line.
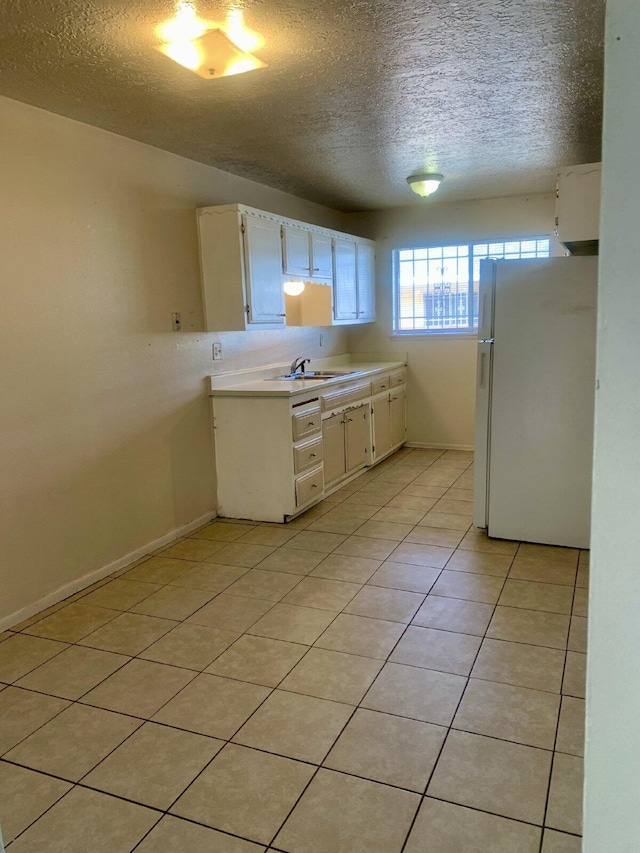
x=176, y=321
x=217, y=351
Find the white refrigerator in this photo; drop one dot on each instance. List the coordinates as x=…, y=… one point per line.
x=535, y=399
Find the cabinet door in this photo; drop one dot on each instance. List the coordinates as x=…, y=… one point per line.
x=321, y=256
x=381, y=426
x=398, y=406
x=295, y=251
x=356, y=436
x=366, y=282
x=333, y=448
x=263, y=269
x=344, y=281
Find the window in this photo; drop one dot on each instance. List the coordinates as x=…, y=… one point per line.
x=435, y=289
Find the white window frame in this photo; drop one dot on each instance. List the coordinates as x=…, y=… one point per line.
x=468, y=295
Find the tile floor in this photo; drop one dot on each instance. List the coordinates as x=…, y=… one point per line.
x=375, y=677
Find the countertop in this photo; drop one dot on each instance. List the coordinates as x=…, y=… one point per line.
x=262, y=382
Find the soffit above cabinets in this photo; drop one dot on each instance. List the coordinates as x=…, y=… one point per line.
x=495, y=95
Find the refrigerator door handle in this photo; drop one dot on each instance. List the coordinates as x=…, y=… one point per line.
x=482, y=379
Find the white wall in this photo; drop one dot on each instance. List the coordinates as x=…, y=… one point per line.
x=104, y=422
x=441, y=384
x=612, y=782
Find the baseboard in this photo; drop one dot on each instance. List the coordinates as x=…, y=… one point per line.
x=97, y=574
x=429, y=446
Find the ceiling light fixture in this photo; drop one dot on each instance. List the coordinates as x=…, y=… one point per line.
x=424, y=183
x=208, y=49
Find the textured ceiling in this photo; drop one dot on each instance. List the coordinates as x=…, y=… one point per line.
x=495, y=94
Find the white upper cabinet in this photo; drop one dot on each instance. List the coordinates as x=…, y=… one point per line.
x=365, y=268
x=295, y=252
x=578, y=208
x=321, y=256
x=345, y=300
x=263, y=264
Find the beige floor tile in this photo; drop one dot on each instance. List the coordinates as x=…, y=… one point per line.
x=22, y=712
x=364, y=546
x=341, y=568
x=335, y=522
x=139, y=688
x=160, y=570
x=360, y=635
x=421, y=694
x=270, y=586
x=241, y=554
x=564, y=811
x=308, y=540
x=173, y=602
x=231, y=612
x=450, y=520
x=128, y=633
x=454, y=614
x=190, y=646
x=259, y=660
x=154, y=766
x=447, y=828
x=529, y=626
x=19, y=654
x=72, y=623
x=468, y=586
x=553, y=598
x=404, y=576
x=25, y=796
x=413, y=503
x=120, y=594
x=295, y=562
x=493, y=775
x=558, y=842
x=578, y=634
x=87, y=820
x=423, y=491
x=575, y=675
x=460, y=494
x=569, y=556
x=536, y=667
x=510, y=713
x=422, y=555
x=435, y=536
x=296, y=726
x=480, y=563
x=571, y=727
x=385, y=530
x=542, y=570
x=293, y=624
x=74, y=672
x=477, y=540
x=379, y=488
x=357, y=510
x=343, y=814
x=434, y=477
x=73, y=743
x=332, y=675
x=322, y=593
x=581, y=602
x=246, y=792
x=37, y=617
x=450, y=505
x=394, y=750
x=403, y=474
x=220, y=531
x=444, y=651
x=193, y=549
x=267, y=536
x=378, y=602
x=213, y=706
x=173, y=834
x=210, y=576
x=582, y=578
x=400, y=515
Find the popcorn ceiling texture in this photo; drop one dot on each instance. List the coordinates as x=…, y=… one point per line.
x=496, y=94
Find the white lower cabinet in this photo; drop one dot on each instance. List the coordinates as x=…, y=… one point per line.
x=277, y=456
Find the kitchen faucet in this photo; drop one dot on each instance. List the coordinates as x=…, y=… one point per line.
x=298, y=364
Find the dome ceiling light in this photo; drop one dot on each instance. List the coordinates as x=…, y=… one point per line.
x=425, y=183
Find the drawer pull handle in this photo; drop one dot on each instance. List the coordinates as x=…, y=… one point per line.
x=350, y=420
x=314, y=485
x=313, y=455
x=311, y=423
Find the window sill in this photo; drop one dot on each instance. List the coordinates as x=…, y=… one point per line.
x=432, y=336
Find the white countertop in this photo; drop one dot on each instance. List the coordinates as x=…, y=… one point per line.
x=262, y=382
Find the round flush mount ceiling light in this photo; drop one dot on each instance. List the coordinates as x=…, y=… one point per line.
x=293, y=288
x=424, y=183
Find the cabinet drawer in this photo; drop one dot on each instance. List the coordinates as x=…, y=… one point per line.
x=380, y=385
x=398, y=379
x=306, y=423
x=342, y=398
x=307, y=455
x=309, y=486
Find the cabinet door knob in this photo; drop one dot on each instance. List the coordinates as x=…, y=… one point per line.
x=350, y=420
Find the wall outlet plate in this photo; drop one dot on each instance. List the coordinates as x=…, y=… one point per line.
x=217, y=351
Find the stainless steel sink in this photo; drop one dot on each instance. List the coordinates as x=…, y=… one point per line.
x=317, y=374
